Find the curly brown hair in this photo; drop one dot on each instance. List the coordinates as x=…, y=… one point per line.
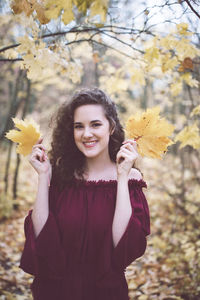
x=65, y=157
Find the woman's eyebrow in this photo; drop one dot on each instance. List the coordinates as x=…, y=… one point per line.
x=93, y=121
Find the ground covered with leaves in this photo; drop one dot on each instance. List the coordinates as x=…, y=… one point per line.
x=169, y=269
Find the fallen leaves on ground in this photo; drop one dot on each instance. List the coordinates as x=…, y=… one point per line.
x=169, y=268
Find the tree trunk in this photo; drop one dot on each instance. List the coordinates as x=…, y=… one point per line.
x=25, y=110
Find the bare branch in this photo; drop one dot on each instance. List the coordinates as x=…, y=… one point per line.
x=9, y=47
x=129, y=45
x=10, y=59
x=99, y=43
x=192, y=8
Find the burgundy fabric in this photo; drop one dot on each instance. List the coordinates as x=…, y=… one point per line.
x=73, y=257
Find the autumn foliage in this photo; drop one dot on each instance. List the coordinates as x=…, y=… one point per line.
x=26, y=137
x=148, y=62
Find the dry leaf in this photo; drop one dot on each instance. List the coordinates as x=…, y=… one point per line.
x=195, y=111
x=187, y=63
x=189, y=136
x=150, y=131
x=26, y=137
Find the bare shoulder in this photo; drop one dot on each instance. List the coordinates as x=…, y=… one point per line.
x=135, y=174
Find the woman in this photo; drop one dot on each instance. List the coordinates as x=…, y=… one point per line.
x=91, y=222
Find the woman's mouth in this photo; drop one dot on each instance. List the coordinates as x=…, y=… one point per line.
x=90, y=144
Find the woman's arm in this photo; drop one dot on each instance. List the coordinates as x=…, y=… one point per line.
x=123, y=209
x=41, y=206
x=40, y=162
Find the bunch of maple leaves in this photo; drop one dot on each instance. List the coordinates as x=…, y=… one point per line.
x=49, y=9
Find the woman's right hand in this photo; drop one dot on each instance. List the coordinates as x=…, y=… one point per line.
x=39, y=160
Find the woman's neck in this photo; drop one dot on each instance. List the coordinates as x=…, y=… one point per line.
x=100, y=168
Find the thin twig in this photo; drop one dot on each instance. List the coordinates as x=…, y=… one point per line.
x=192, y=8
x=9, y=47
x=102, y=44
x=10, y=59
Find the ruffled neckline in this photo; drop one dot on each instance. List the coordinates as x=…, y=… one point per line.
x=111, y=182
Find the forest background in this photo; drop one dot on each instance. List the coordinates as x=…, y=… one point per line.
x=143, y=54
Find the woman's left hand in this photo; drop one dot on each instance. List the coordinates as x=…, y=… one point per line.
x=126, y=157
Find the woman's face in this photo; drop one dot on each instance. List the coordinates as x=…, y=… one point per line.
x=91, y=130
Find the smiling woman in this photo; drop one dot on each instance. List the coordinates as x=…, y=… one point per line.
x=89, y=113
x=93, y=219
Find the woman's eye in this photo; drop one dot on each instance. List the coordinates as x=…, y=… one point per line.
x=93, y=125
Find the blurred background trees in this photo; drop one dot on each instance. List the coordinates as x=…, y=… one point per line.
x=143, y=54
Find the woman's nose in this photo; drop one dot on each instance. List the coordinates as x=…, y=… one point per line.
x=87, y=132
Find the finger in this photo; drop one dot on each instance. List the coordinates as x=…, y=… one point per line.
x=33, y=159
x=127, y=156
x=132, y=146
x=38, y=154
x=44, y=156
x=123, y=153
x=131, y=155
x=40, y=146
x=128, y=146
x=133, y=142
x=123, y=156
x=129, y=142
x=125, y=150
x=129, y=149
x=40, y=140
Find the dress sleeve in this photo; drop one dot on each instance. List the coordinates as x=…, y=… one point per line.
x=132, y=244
x=43, y=255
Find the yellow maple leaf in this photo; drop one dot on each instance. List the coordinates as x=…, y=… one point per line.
x=151, y=54
x=182, y=29
x=189, y=136
x=187, y=77
x=168, y=42
x=184, y=48
x=137, y=76
x=176, y=87
x=83, y=5
x=55, y=8
x=99, y=7
x=168, y=62
x=28, y=7
x=40, y=10
x=26, y=137
x=18, y=6
x=150, y=131
x=195, y=111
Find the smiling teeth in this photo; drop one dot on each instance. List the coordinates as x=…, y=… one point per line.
x=90, y=143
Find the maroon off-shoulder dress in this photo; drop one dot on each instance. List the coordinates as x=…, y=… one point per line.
x=73, y=257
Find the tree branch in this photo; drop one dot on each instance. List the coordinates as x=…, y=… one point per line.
x=192, y=8
x=117, y=39
x=99, y=43
x=124, y=30
x=9, y=47
x=10, y=59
